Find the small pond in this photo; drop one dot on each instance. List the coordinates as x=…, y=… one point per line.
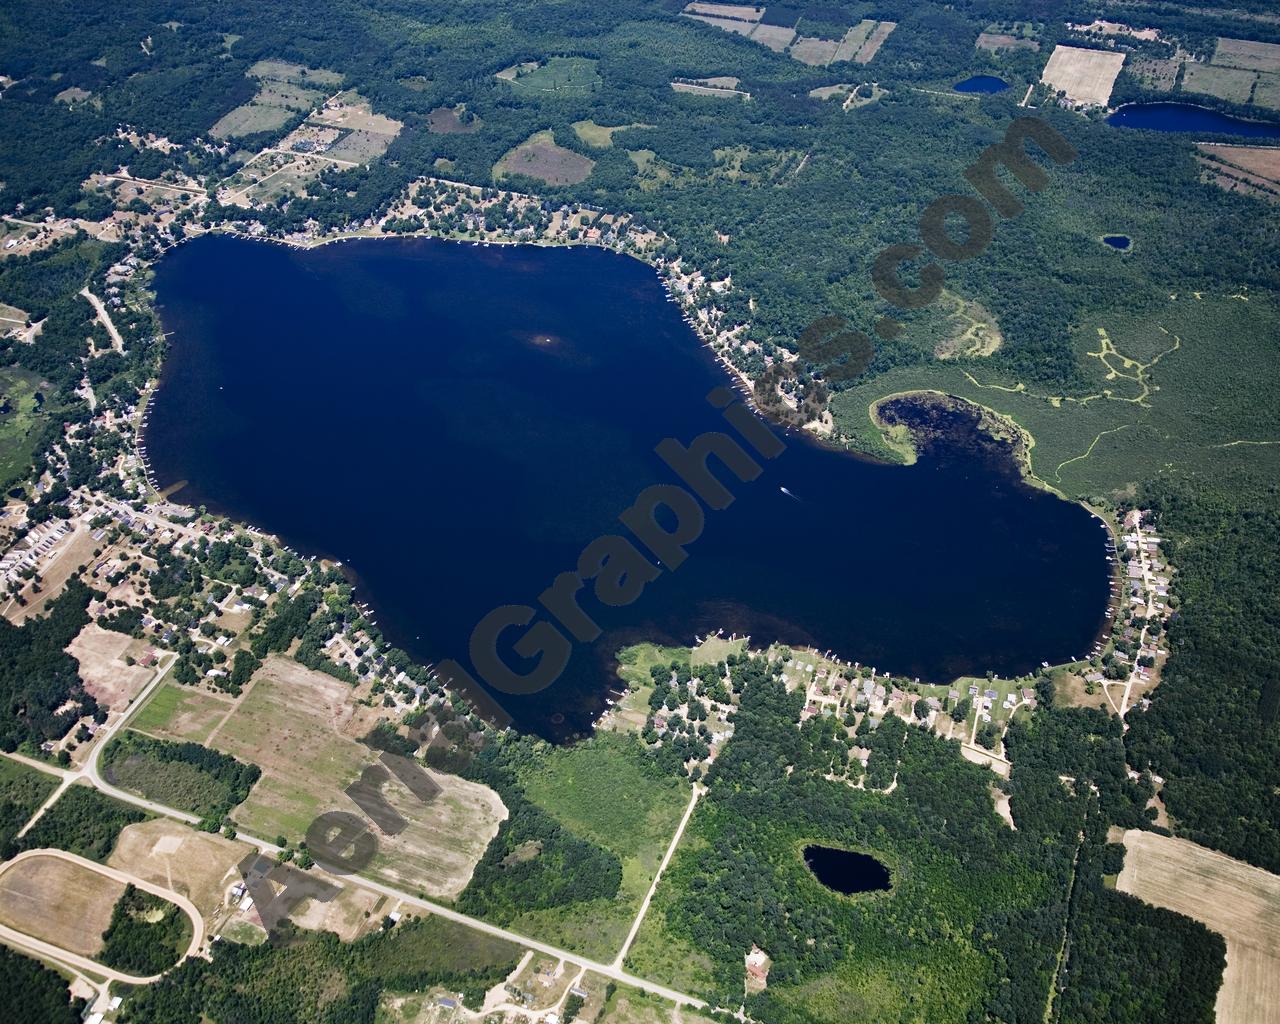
x=1121, y=242
x=845, y=871
x=981, y=83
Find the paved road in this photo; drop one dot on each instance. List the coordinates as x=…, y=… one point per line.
x=44, y=948
x=644, y=907
x=612, y=971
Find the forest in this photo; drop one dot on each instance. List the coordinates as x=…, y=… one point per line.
x=41, y=992
x=37, y=676
x=312, y=976
x=185, y=775
x=146, y=935
x=977, y=914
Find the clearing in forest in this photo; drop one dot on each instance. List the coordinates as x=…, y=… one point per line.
x=1247, y=54
x=1085, y=76
x=1240, y=902
x=540, y=157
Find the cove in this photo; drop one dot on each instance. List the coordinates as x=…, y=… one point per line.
x=1186, y=117
x=457, y=423
x=845, y=871
x=981, y=84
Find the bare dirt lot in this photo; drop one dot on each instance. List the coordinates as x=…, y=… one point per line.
x=539, y=157
x=196, y=864
x=1086, y=76
x=296, y=725
x=1240, y=902
x=448, y=121
x=101, y=653
x=59, y=902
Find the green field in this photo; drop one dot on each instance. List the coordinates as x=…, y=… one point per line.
x=1183, y=384
x=21, y=422
x=606, y=790
x=180, y=713
x=558, y=78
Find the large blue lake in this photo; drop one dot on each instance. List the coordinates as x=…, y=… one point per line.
x=1186, y=117
x=457, y=423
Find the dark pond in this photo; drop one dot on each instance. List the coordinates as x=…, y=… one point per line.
x=1117, y=241
x=1186, y=117
x=457, y=423
x=846, y=871
x=981, y=83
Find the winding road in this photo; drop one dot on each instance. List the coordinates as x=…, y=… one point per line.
x=47, y=949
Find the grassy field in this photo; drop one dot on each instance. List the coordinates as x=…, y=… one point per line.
x=20, y=422
x=179, y=712
x=1181, y=384
x=559, y=77
x=1240, y=902
x=598, y=135
x=1231, y=84
x=58, y=901
x=296, y=725
x=22, y=790
x=604, y=790
x=540, y=157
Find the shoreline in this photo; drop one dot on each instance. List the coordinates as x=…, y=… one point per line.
x=1000, y=427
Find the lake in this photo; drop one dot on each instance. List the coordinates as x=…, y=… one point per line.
x=457, y=423
x=1186, y=117
x=981, y=84
x=845, y=871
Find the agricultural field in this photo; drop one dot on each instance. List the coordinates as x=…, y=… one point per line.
x=1085, y=76
x=284, y=91
x=996, y=41
x=540, y=157
x=197, y=865
x=297, y=726
x=178, y=712
x=1231, y=84
x=1240, y=902
x=1254, y=170
x=860, y=43
x=558, y=77
x=58, y=901
x=1247, y=54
